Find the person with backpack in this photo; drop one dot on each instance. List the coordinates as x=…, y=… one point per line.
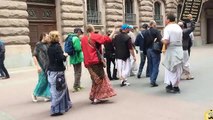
x=140, y=41
x=3, y=70
x=77, y=57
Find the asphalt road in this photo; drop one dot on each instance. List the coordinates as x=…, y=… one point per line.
x=136, y=102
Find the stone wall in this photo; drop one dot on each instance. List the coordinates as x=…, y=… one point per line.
x=114, y=13
x=14, y=32
x=146, y=11
x=72, y=15
x=171, y=6
x=13, y=22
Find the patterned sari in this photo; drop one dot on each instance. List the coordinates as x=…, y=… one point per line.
x=101, y=87
x=60, y=100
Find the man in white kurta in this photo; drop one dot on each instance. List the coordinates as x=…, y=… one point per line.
x=172, y=39
x=134, y=67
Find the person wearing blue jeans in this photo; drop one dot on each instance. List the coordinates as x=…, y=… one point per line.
x=154, y=61
x=152, y=36
x=143, y=60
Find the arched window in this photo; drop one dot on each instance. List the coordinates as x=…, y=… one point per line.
x=158, y=17
x=157, y=8
x=129, y=6
x=179, y=8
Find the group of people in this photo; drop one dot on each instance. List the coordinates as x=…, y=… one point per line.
x=175, y=43
x=49, y=59
x=119, y=49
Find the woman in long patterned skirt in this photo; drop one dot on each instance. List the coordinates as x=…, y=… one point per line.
x=91, y=46
x=41, y=60
x=60, y=100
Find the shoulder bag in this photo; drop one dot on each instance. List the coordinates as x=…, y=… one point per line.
x=100, y=56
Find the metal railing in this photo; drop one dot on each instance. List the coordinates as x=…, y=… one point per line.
x=94, y=17
x=159, y=19
x=130, y=18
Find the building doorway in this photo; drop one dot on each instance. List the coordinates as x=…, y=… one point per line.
x=209, y=30
x=207, y=22
x=42, y=18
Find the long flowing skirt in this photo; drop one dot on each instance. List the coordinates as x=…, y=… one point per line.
x=124, y=68
x=60, y=100
x=186, y=64
x=173, y=77
x=101, y=87
x=42, y=88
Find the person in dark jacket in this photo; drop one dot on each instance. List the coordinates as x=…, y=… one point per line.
x=189, y=23
x=109, y=54
x=60, y=100
x=140, y=41
x=186, y=44
x=153, y=56
x=3, y=70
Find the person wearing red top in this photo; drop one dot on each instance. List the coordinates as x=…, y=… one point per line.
x=91, y=47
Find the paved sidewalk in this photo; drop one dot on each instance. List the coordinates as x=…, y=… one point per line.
x=136, y=102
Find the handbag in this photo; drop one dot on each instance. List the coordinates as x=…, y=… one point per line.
x=157, y=46
x=60, y=82
x=100, y=56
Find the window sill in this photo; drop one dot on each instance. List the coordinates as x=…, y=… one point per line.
x=97, y=25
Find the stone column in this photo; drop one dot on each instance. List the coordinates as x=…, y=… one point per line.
x=145, y=11
x=14, y=32
x=114, y=13
x=171, y=6
x=71, y=15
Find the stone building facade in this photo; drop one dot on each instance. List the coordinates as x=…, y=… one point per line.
x=21, y=21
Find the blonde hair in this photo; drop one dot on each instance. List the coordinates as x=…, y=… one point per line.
x=54, y=36
x=90, y=28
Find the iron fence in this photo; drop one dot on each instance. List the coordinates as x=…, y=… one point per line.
x=130, y=18
x=158, y=19
x=94, y=17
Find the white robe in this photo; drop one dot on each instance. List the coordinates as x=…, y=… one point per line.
x=174, y=54
x=123, y=68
